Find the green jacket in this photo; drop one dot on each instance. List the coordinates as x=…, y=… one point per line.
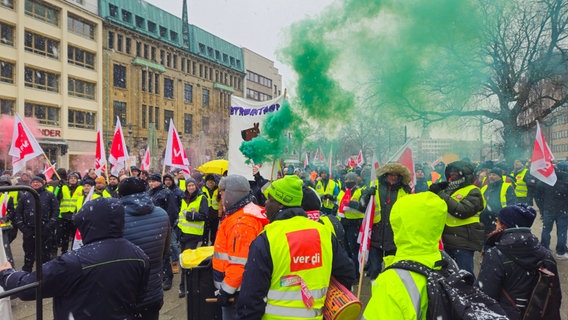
x=418, y=222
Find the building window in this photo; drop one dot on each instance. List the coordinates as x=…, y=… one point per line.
x=128, y=45
x=146, y=50
x=258, y=96
x=163, y=32
x=201, y=48
x=251, y=76
x=162, y=55
x=168, y=88
x=205, y=124
x=138, y=48
x=153, y=54
x=157, y=117
x=144, y=116
x=113, y=10
x=187, y=93
x=168, y=60
x=156, y=83
x=47, y=115
x=126, y=16
x=6, y=72
x=119, y=42
x=168, y=114
x=110, y=40
x=175, y=58
x=41, y=11
x=6, y=34
x=80, y=57
x=187, y=123
x=80, y=27
x=150, y=81
x=119, y=76
x=81, y=119
x=144, y=79
x=174, y=36
x=7, y=106
x=151, y=27
x=42, y=80
x=41, y=45
x=205, y=97
x=120, y=111
x=7, y=3
x=150, y=114
x=139, y=22
x=81, y=89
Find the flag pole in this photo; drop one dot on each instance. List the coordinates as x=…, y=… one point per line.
x=361, y=269
x=164, y=169
x=272, y=172
x=51, y=166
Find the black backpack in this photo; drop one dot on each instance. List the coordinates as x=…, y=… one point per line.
x=452, y=294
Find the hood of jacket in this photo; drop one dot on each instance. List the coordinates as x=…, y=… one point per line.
x=137, y=204
x=418, y=221
x=519, y=245
x=99, y=219
x=464, y=168
x=402, y=171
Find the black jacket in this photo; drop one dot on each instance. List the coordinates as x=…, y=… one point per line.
x=511, y=264
x=553, y=199
x=148, y=227
x=24, y=218
x=165, y=199
x=101, y=280
x=258, y=270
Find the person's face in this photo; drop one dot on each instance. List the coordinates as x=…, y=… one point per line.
x=153, y=184
x=392, y=178
x=494, y=177
x=36, y=184
x=518, y=164
x=25, y=178
x=87, y=188
x=454, y=175
x=113, y=181
x=122, y=177
x=72, y=181
x=323, y=175
x=272, y=207
x=210, y=184
x=168, y=182
x=100, y=185
x=135, y=173
x=191, y=187
x=419, y=174
x=92, y=174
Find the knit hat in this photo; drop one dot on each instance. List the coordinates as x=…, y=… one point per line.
x=100, y=180
x=351, y=176
x=39, y=178
x=310, y=200
x=287, y=191
x=209, y=177
x=236, y=188
x=190, y=180
x=90, y=182
x=155, y=177
x=74, y=175
x=62, y=173
x=134, y=168
x=131, y=185
x=517, y=216
x=4, y=180
x=168, y=176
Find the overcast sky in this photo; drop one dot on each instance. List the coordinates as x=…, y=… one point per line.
x=253, y=24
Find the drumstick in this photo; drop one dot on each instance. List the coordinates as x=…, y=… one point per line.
x=215, y=299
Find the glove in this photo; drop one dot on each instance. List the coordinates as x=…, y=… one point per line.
x=439, y=186
x=223, y=298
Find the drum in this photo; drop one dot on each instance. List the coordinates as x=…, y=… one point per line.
x=340, y=303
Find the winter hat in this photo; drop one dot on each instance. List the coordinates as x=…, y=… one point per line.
x=209, y=177
x=90, y=182
x=40, y=177
x=74, y=175
x=5, y=180
x=100, y=180
x=155, y=177
x=62, y=173
x=287, y=191
x=190, y=180
x=168, y=176
x=131, y=185
x=562, y=166
x=134, y=168
x=517, y=216
x=351, y=176
x=310, y=200
x=236, y=188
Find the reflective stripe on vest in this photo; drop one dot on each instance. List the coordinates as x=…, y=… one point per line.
x=190, y=227
x=211, y=200
x=301, y=248
x=521, y=189
x=412, y=290
x=459, y=195
x=377, y=218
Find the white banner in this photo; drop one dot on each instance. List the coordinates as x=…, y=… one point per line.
x=245, y=123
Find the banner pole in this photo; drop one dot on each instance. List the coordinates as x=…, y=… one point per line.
x=51, y=166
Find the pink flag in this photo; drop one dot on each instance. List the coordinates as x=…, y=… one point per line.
x=541, y=164
x=24, y=146
x=360, y=160
x=175, y=154
x=364, y=237
x=100, y=154
x=4, y=206
x=48, y=172
x=146, y=162
x=118, y=151
x=406, y=160
x=316, y=155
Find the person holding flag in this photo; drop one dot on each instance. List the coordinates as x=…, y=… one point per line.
x=70, y=193
x=350, y=215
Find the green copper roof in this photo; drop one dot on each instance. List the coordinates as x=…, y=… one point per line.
x=156, y=23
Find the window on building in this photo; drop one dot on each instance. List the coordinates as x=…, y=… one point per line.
x=138, y=48
x=205, y=124
x=144, y=79
x=150, y=114
x=205, y=97
x=201, y=48
x=39, y=79
x=174, y=36
x=80, y=27
x=110, y=40
x=146, y=51
x=140, y=22
x=163, y=32
x=150, y=82
x=7, y=3
x=144, y=110
x=156, y=83
x=126, y=16
x=6, y=34
x=162, y=56
x=182, y=64
x=151, y=27
x=42, y=11
x=113, y=10
x=217, y=55
x=168, y=60
x=168, y=88
x=7, y=106
x=175, y=59
x=81, y=89
x=47, y=115
x=225, y=58
x=187, y=123
x=81, y=119
x=210, y=51
x=119, y=42
x=128, y=45
x=153, y=54
x=6, y=72
x=238, y=63
x=119, y=110
x=168, y=114
x=187, y=93
x=41, y=45
x=232, y=61
x=119, y=76
x=80, y=57
x=157, y=117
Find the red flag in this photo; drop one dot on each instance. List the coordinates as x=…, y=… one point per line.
x=118, y=151
x=344, y=202
x=364, y=237
x=100, y=154
x=4, y=206
x=541, y=164
x=360, y=160
x=406, y=160
x=316, y=155
x=175, y=154
x=351, y=163
x=48, y=172
x=24, y=146
x=146, y=162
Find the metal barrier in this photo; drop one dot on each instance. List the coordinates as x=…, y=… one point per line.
x=38, y=249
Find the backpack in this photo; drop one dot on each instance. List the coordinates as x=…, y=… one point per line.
x=452, y=294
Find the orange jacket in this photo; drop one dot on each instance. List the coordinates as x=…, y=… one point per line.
x=234, y=237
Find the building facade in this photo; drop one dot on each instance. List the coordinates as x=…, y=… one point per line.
x=51, y=63
x=262, y=82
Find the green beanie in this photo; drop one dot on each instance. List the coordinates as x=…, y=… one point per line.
x=287, y=191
